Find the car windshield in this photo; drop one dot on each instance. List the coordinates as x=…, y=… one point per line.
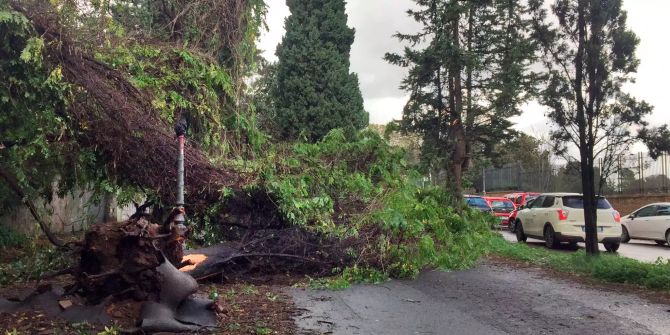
x=503, y=204
x=530, y=198
x=477, y=202
x=578, y=202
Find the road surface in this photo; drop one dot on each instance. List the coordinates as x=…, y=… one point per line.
x=645, y=251
x=489, y=299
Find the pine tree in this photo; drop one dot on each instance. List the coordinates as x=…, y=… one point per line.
x=467, y=76
x=315, y=92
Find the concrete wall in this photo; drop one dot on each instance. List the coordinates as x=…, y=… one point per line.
x=69, y=214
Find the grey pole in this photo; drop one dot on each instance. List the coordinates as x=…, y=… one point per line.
x=180, y=172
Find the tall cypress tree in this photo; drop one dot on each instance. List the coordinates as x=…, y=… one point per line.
x=315, y=92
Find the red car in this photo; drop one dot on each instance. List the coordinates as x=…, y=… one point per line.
x=502, y=208
x=519, y=199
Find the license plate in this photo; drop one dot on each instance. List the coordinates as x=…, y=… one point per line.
x=600, y=229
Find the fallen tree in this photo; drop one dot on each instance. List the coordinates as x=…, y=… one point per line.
x=337, y=206
x=119, y=121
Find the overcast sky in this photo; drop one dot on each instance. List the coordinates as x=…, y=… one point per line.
x=377, y=20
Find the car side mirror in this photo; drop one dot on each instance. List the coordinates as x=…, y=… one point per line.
x=632, y=216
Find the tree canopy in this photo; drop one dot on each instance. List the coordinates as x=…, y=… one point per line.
x=468, y=73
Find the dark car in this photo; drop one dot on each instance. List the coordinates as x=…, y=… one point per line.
x=478, y=203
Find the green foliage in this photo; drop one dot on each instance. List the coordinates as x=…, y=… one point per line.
x=36, y=133
x=37, y=261
x=341, y=188
x=314, y=90
x=40, y=141
x=424, y=232
x=467, y=74
x=186, y=84
x=9, y=238
x=350, y=275
x=261, y=330
x=110, y=330
x=606, y=267
x=656, y=139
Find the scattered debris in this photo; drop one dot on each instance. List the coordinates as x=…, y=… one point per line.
x=65, y=304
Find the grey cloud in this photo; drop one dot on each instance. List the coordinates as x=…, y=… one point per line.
x=375, y=23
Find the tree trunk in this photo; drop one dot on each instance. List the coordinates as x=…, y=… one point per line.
x=457, y=137
x=458, y=159
x=585, y=150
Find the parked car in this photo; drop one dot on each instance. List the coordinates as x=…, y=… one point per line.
x=478, y=203
x=502, y=208
x=559, y=217
x=519, y=200
x=512, y=217
x=522, y=198
x=651, y=222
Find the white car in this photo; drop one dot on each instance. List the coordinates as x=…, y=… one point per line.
x=651, y=222
x=559, y=217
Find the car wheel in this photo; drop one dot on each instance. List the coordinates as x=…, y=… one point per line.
x=550, y=238
x=612, y=247
x=512, y=227
x=520, y=236
x=659, y=242
x=625, y=237
x=667, y=236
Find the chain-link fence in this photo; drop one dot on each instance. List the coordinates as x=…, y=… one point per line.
x=625, y=174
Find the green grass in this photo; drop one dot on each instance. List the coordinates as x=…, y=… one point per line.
x=607, y=267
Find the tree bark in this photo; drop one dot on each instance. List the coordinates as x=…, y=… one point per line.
x=457, y=138
x=585, y=149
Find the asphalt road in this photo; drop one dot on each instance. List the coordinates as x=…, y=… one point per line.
x=645, y=251
x=489, y=299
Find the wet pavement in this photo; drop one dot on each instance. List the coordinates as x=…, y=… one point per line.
x=489, y=299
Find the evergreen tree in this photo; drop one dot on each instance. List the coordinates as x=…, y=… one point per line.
x=314, y=91
x=467, y=76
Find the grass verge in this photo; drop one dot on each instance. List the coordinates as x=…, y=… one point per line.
x=607, y=267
